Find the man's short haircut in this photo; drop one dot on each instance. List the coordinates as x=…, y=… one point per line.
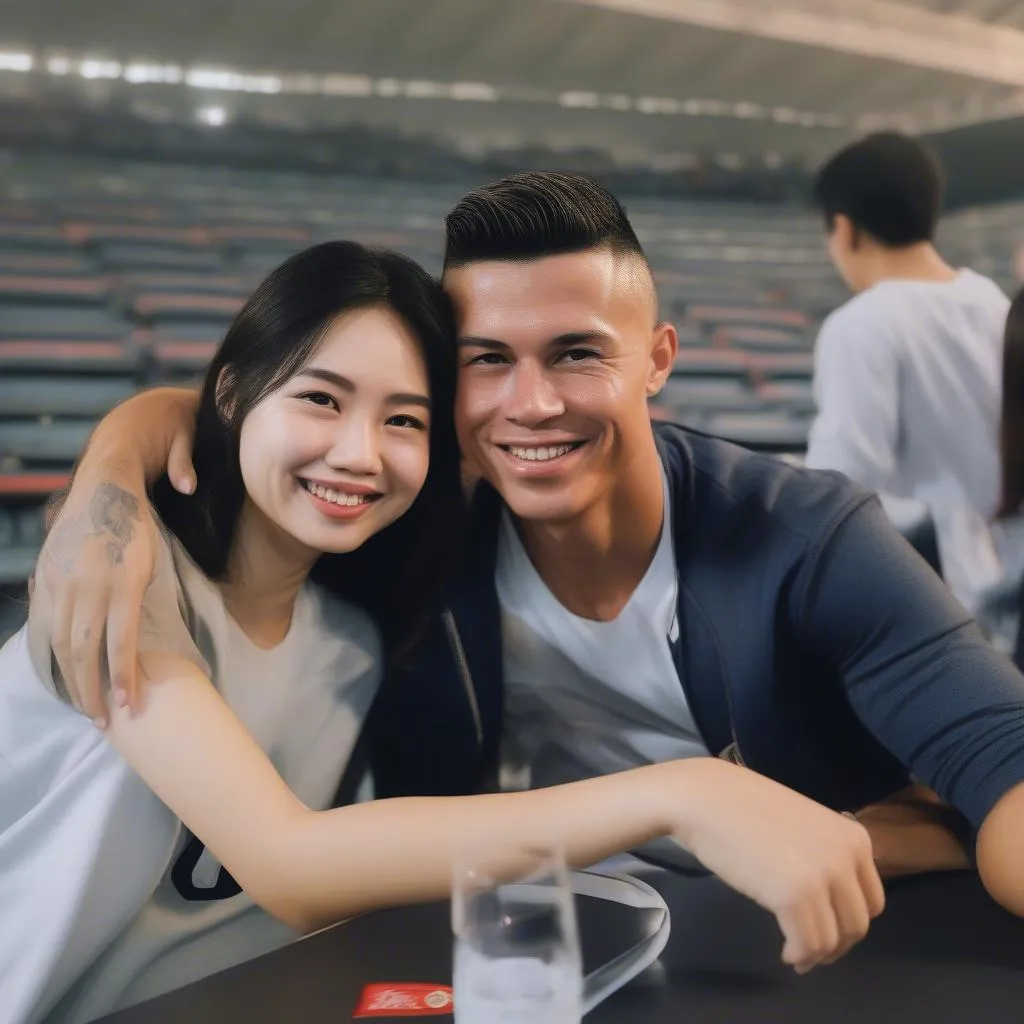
x=889, y=185
x=536, y=214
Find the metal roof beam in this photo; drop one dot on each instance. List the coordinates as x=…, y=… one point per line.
x=870, y=28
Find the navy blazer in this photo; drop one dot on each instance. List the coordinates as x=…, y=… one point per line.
x=815, y=646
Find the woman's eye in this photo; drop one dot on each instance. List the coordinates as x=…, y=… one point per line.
x=404, y=420
x=319, y=398
x=487, y=359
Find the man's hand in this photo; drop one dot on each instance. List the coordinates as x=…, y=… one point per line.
x=809, y=866
x=914, y=832
x=94, y=569
x=99, y=554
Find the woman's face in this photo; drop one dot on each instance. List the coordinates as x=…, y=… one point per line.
x=341, y=450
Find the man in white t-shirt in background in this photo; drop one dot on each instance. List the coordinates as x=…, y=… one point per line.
x=907, y=373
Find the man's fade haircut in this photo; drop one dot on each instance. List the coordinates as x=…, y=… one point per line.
x=535, y=214
x=889, y=185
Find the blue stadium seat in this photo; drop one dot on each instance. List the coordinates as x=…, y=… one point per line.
x=691, y=336
x=765, y=431
x=720, y=394
x=711, y=362
x=60, y=321
x=119, y=212
x=21, y=533
x=134, y=256
x=42, y=395
x=149, y=282
x=36, y=444
x=263, y=259
x=247, y=236
x=28, y=526
x=793, y=395
x=48, y=237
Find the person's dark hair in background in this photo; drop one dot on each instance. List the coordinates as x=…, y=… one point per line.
x=535, y=214
x=394, y=575
x=1011, y=428
x=889, y=186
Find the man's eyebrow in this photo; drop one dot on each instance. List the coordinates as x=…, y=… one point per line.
x=471, y=341
x=559, y=341
x=580, y=338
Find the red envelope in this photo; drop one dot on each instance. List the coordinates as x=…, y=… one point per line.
x=395, y=999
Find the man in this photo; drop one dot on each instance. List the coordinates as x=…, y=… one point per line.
x=908, y=373
x=631, y=595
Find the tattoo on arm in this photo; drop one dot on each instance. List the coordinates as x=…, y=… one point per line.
x=110, y=517
x=114, y=513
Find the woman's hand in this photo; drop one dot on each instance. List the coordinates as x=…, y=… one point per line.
x=808, y=865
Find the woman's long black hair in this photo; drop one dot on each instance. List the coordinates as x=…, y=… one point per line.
x=1011, y=427
x=397, y=574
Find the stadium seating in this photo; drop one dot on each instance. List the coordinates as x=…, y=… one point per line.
x=114, y=276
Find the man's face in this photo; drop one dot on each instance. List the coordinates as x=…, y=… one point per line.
x=557, y=358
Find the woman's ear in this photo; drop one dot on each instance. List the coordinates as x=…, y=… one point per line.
x=225, y=400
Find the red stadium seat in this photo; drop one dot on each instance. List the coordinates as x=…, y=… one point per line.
x=26, y=288
x=782, y=366
x=760, y=339
x=82, y=231
x=63, y=356
x=152, y=306
x=31, y=485
x=718, y=316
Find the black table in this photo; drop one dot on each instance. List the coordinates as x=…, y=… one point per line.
x=942, y=952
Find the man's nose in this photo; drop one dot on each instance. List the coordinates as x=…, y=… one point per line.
x=533, y=397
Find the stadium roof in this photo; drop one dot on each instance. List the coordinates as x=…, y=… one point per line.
x=748, y=76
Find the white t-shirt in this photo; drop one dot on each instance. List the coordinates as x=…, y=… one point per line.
x=908, y=383
x=584, y=698
x=93, y=920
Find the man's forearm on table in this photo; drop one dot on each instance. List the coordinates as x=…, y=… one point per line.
x=914, y=833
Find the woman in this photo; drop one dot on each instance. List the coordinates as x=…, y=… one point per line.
x=325, y=450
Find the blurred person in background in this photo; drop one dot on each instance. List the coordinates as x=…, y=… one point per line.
x=638, y=593
x=1006, y=606
x=907, y=375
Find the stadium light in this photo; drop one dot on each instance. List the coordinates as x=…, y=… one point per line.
x=220, y=79
x=166, y=74
x=213, y=116
x=99, y=69
x=15, y=61
x=231, y=81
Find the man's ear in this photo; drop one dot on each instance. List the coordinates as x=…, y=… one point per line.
x=664, y=349
x=847, y=234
